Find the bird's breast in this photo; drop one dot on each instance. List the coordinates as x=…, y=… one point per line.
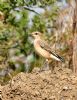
x=41, y=51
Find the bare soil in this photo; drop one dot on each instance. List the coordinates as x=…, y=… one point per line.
x=45, y=85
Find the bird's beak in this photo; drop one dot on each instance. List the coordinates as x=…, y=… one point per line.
x=31, y=35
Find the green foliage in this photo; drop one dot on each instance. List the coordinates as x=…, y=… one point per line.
x=15, y=30
x=38, y=24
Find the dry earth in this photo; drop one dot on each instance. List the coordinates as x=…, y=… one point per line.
x=45, y=85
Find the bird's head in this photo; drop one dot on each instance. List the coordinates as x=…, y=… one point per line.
x=36, y=35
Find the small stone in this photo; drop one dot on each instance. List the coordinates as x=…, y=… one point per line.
x=65, y=88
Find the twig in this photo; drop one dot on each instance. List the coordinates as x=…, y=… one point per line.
x=27, y=8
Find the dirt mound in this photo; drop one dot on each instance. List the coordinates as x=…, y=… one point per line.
x=59, y=85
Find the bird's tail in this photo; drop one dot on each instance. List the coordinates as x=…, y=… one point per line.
x=57, y=57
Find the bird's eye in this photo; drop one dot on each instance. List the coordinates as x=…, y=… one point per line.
x=36, y=33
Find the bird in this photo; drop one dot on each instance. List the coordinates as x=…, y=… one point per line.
x=43, y=49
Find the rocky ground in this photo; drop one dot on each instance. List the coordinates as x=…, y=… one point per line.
x=45, y=85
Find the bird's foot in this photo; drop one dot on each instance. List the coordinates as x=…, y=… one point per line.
x=44, y=68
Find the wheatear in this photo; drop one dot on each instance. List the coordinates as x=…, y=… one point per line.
x=43, y=49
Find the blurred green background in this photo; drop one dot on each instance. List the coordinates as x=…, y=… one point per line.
x=18, y=18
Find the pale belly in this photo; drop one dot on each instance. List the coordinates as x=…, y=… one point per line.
x=42, y=52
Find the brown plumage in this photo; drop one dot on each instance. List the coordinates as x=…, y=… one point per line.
x=43, y=49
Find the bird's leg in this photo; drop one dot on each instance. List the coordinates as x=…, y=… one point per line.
x=45, y=66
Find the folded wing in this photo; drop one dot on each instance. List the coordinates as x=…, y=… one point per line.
x=55, y=56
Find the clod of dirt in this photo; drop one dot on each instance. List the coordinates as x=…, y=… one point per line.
x=45, y=85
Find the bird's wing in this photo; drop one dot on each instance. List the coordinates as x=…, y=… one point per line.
x=45, y=46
